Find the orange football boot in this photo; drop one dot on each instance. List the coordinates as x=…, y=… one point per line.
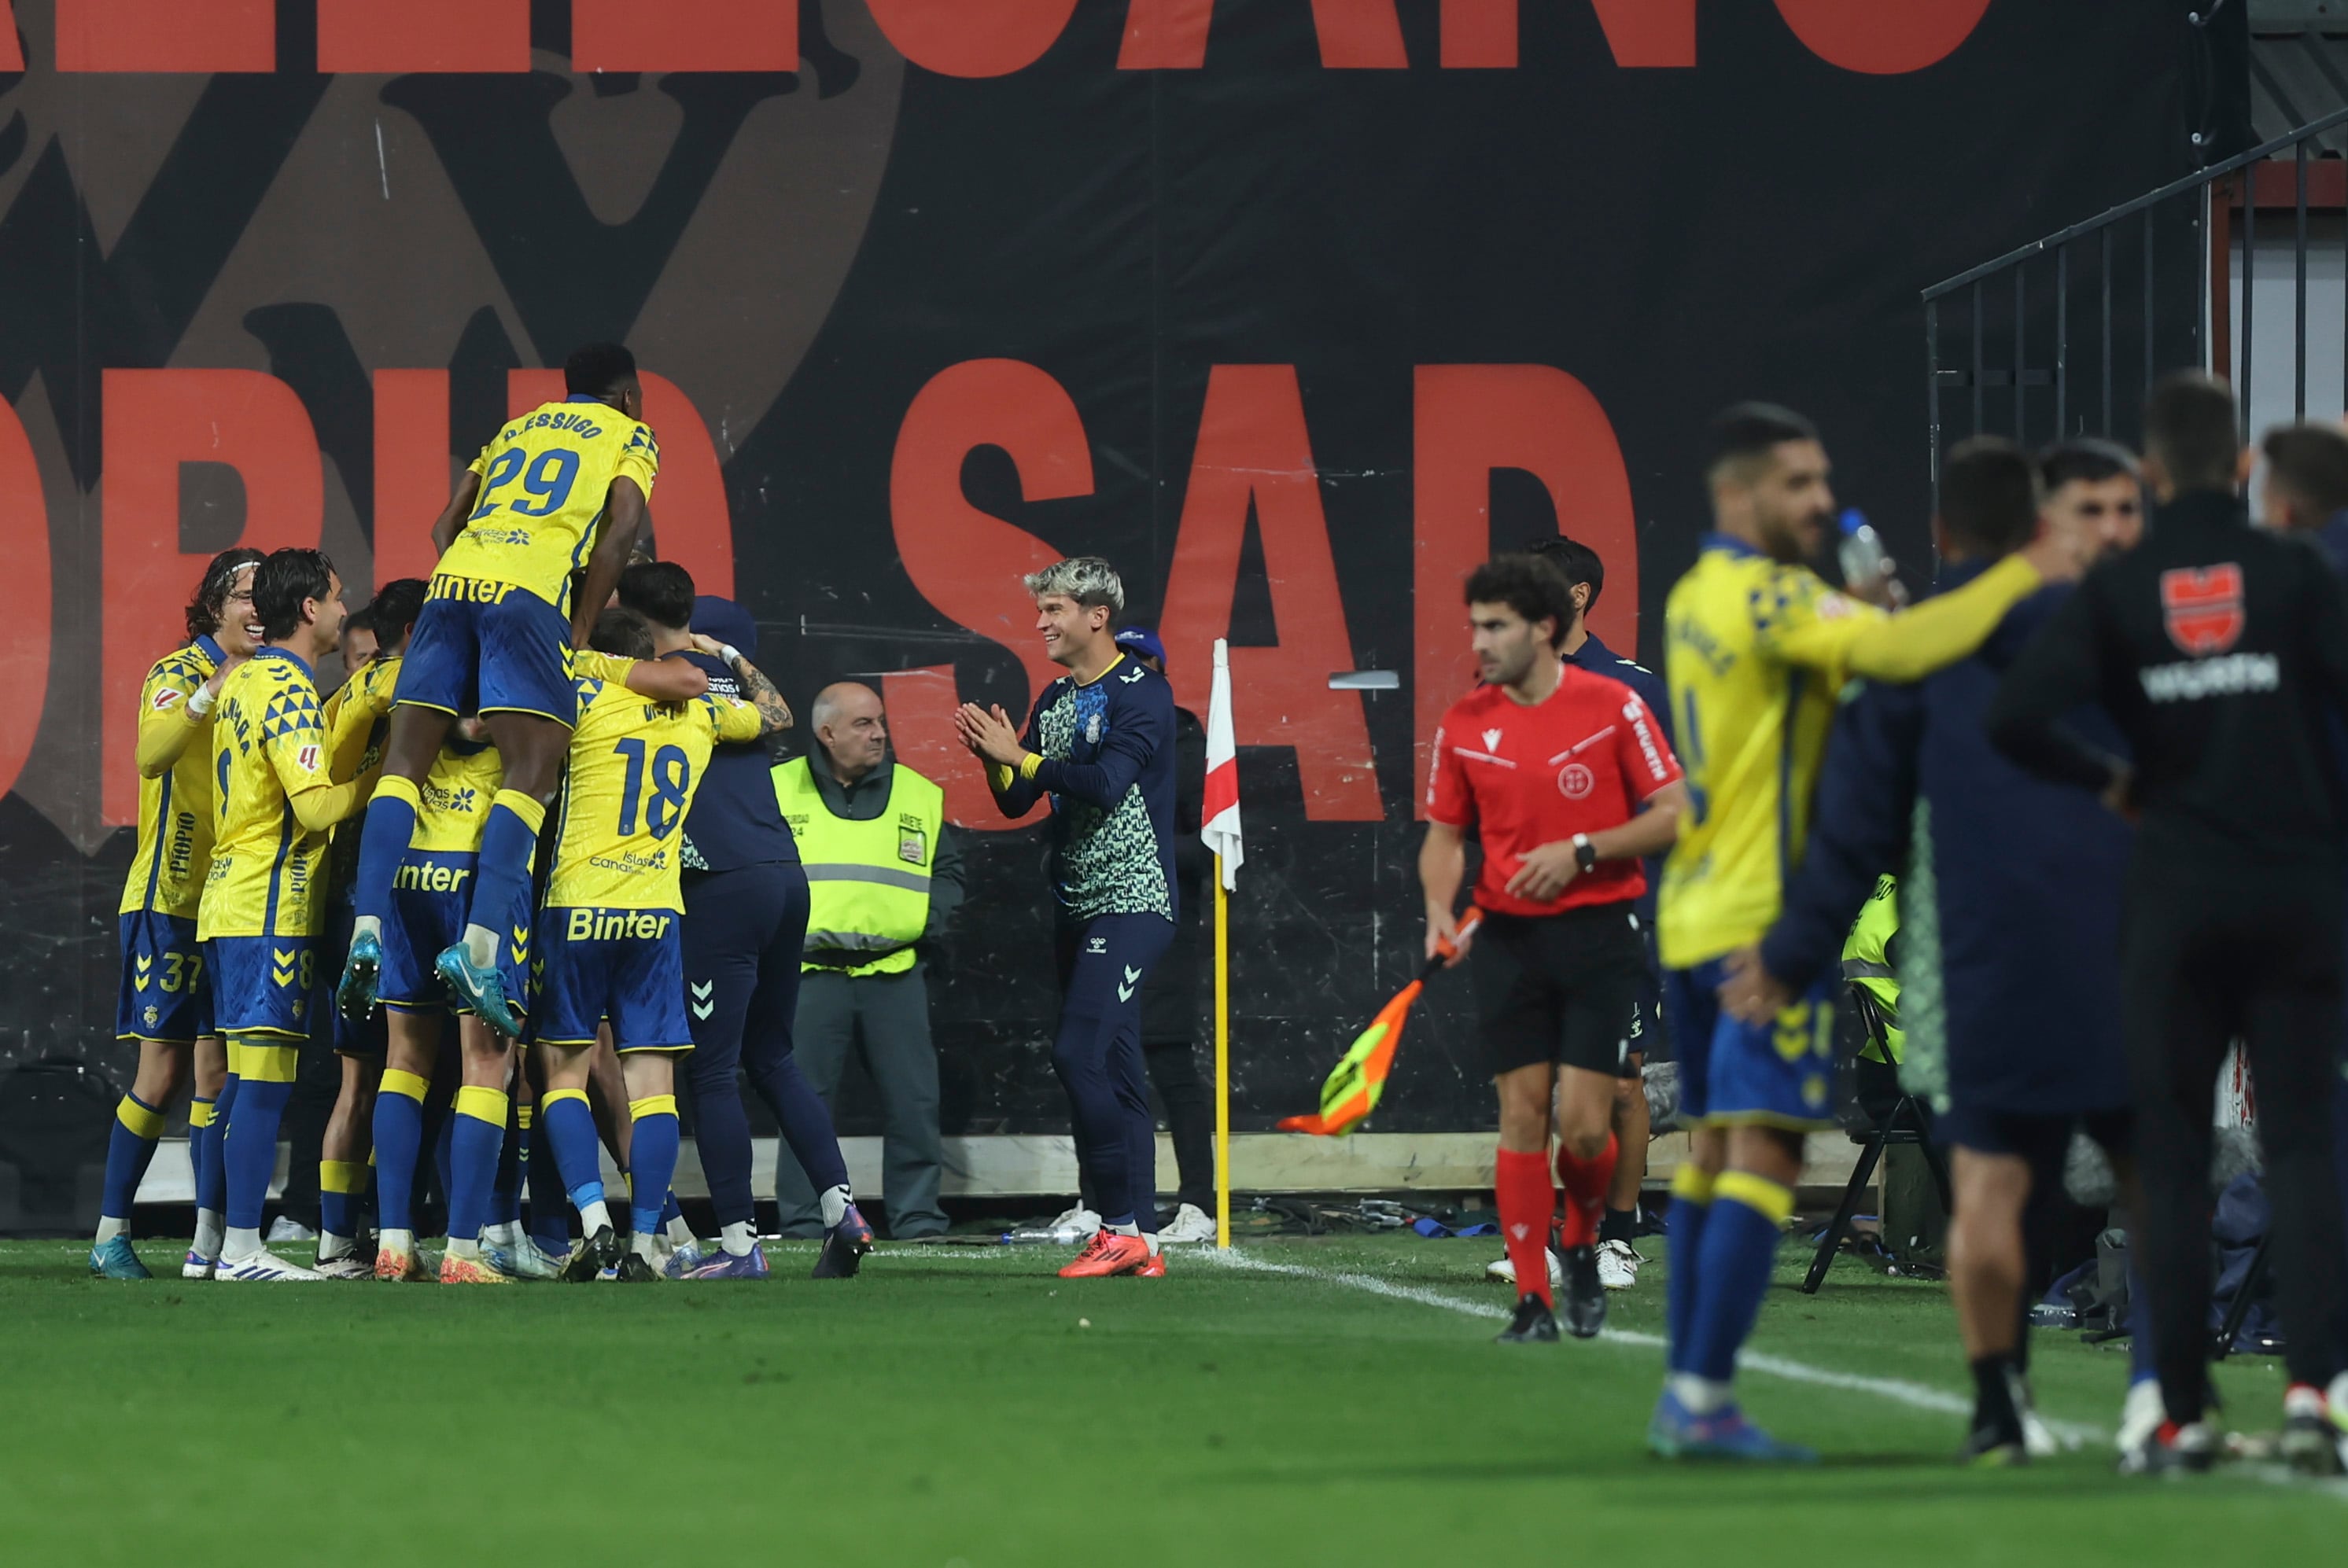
x=1154, y=1269
x=1109, y=1253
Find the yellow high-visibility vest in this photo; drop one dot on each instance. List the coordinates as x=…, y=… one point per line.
x=1867, y=963
x=868, y=882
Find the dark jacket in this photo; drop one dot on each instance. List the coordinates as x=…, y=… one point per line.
x=2024, y=876
x=2221, y=652
x=864, y=800
x=1170, y=1002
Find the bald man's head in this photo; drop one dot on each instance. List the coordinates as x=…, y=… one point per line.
x=852, y=728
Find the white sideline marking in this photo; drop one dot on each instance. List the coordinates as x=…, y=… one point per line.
x=1915, y=1396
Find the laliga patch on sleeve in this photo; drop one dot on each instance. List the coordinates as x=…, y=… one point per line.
x=1833, y=606
x=307, y=758
x=166, y=697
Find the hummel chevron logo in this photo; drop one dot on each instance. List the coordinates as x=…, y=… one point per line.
x=1132, y=979
x=703, y=1004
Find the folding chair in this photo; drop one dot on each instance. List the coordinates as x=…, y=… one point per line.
x=1906, y=1120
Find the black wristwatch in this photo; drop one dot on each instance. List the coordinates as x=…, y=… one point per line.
x=1585, y=854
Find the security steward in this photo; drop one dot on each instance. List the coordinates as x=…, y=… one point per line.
x=884, y=876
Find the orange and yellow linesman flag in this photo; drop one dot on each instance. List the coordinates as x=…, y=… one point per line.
x=1359, y=1080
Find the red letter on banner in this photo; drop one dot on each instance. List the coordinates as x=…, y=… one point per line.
x=972, y=37
x=691, y=519
x=11, y=53
x=1472, y=419
x=424, y=36
x=966, y=563
x=155, y=421
x=1360, y=34
x=178, y=35
x=1479, y=35
x=25, y=631
x=1166, y=36
x=1647, y=33
x=1253, y=447
x=686, y=36
x=1882, y=40
x=413, y=474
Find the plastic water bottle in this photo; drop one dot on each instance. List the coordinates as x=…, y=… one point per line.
x=1861, y=552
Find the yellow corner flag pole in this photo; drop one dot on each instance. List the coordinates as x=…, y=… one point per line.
x=1223, y=1060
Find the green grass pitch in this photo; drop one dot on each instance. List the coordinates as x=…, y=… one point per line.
x=1317, y=1402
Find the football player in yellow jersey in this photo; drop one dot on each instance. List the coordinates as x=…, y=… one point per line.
x=1757, y=649
x=357, y=715
x=563, y=484
x=264, y=898
x=165, y=1001
x=609, y=939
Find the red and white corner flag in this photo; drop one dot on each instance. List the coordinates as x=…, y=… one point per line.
x=1220, y=826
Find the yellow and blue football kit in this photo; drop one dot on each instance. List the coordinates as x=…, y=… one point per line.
x=358, y=716
x=1757, y=651
x=609, y=939
x=495, y=633
x=164, y=994
x=274, y=800
x=432, y=887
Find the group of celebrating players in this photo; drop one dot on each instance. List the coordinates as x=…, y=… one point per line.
x=505, y=685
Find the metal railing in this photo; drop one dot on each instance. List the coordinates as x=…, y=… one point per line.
x=2156, y=278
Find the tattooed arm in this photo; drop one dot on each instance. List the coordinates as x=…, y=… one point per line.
x=774, y=714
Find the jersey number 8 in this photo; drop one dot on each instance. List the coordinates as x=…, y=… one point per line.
x=672, y=779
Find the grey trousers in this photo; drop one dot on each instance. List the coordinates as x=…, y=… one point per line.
x=889, y=1017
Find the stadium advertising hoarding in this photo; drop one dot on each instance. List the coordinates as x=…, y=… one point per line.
x=1292, y=308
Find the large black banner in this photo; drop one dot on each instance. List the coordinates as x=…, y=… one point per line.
x=1291, y=308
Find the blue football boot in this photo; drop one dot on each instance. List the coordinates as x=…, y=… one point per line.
x=355, y=993
x=844, y=1247
x=1678, y=1432
x=481, y=992
x=115, y=1260
x=724, y=1264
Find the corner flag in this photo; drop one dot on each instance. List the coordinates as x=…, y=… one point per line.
x=1219, y=825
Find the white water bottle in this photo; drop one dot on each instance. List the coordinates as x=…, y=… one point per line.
x=1861, y=552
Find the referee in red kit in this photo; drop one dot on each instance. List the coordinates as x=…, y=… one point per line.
x=1567, y=779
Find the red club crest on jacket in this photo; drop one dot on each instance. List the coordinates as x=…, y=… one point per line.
x=2203, y=607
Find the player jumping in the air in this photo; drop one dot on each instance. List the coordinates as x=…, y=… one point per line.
x=165, y=1002
x=610, y=936
x=1551, y=765
x=264, y=901
x=1757, y=649
x=1100, y=743
x=564, y=484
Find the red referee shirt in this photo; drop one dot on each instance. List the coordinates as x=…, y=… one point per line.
x=1580, y=761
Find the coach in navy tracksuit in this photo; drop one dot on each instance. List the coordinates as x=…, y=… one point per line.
x=746, y=913
x=2016, y=884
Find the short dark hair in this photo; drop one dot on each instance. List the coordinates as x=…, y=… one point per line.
x=1525, y=583
x=659, y=590
x=1989, y=497
x=283, y=583
x=362, y=620
x=2089, y=457
x=2311, y=461
x=1577, y=562
x=2190, y=424
x=598, y=367
x=1752, y=430
x=396, y=607
x=212, y=589
x=622, y=633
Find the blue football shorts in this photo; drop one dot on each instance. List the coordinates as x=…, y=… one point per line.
x=165, y=995
x=488, y=648
x=261, y=984
x=1778, y=1074
x=625, y=965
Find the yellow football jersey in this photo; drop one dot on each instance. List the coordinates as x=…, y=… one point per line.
x=1757, y=652
x=268, y=743
x=634, y=766
x=175, y=810
x=357, y=717
x=454, y=800
x=544, y=482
